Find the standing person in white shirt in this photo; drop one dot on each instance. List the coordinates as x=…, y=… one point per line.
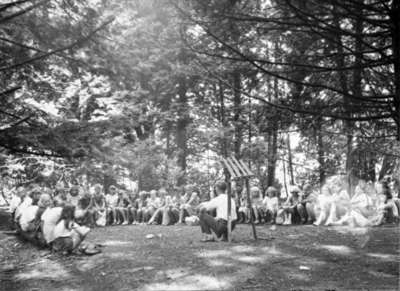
x=219, y=224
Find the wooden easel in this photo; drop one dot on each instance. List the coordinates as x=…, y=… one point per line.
x=237, y=170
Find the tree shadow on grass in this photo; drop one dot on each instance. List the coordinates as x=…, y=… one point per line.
x=294, y=258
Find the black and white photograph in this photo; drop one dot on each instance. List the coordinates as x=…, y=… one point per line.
x=199, y=145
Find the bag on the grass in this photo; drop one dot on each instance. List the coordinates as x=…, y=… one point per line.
x=192, y=220
x=101, y=221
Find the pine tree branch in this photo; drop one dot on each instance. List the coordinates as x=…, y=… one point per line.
x=9, y=91
x=261, y=68
x=5, y=6
x=15, y=123
x=29, y=152
x=22, y=11
x=47, y=54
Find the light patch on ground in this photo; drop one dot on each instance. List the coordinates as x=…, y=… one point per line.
x=309, y=261
x=190, y=283
x=340, y=250
x=44, y=269
x=117, y=255
x=299, y=276
x=384, y=257
x=243, y=249
x=381, y=274
x=214, y=253
x=352, y=230
x=90, y=263
x=116, y=243
x=272, y=250
x=219, y=263
x=250, y=259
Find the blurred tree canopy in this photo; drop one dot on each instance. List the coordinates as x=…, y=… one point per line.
x=161, y=89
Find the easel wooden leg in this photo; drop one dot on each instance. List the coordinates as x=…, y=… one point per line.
x=229, y=213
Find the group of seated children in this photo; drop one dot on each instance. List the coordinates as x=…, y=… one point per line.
x=369, y=205
x=94, y=208
x=37, y=218
x=62, y=219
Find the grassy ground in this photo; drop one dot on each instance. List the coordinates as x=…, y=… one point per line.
x=291, y=258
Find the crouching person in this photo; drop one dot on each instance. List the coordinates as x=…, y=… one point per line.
x=217, y=228
x=60, y=231
x=30, y=221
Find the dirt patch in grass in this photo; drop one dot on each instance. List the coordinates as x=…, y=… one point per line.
x=288, y=258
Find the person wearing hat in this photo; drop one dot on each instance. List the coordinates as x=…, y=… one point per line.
x=271, y=204
x=292, y=206
x=217, y=226
x=308, y=202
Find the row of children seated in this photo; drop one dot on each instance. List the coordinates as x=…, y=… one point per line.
x=369, y=205
x=273, y=209
x=121, y=207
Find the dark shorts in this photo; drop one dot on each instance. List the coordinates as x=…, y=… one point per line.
x=62, y=244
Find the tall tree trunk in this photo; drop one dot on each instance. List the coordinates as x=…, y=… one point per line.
x=237, y=103
x=272, y=151
x=320, y=151
x=224, y=144
x=347, y=103
x=273, y=91
x=181, y=128
x=290, y=162
x=395, y=15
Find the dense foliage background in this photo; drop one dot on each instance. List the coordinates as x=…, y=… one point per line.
x=155, y=91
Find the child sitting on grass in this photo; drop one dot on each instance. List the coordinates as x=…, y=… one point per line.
x=99, y=206
x=271, y=204
x=243, y=211
x=189, y=208
x=112, y=203
x=291, y=206
x=256, y=204
x=122, y=207
x=141, y=206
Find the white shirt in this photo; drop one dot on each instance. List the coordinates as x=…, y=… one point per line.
x=74, y=200
x=21, y=208
x=50, y=218
x=14, y=203
x=61, y=231
x=271, y=203
x=220, y=203
x=112, y=200
x=27, y=216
